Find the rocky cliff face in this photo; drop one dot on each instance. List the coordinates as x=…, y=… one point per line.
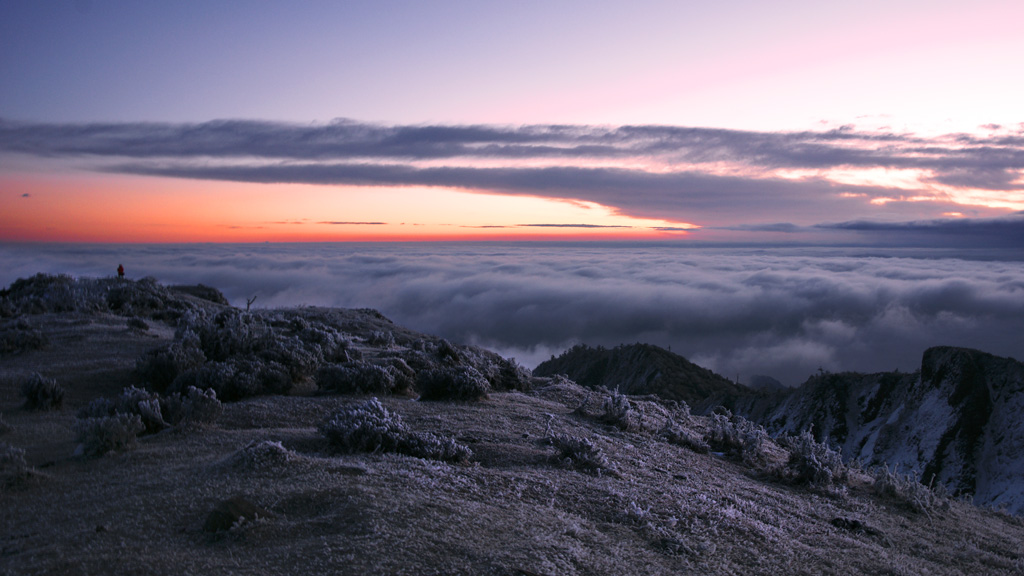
x=956, y=421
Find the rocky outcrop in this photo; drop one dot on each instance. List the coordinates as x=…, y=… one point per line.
x=956, y=421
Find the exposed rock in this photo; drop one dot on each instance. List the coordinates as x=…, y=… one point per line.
x=955, y=422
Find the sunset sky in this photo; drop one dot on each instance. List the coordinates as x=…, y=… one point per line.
x=734, y=121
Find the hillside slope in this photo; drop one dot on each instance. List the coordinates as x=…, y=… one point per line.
x=517, y=482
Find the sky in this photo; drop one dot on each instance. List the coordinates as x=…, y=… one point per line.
x=787, y=122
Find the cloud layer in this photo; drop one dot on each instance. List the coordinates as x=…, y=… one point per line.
x=783, y=313
x=731, y=179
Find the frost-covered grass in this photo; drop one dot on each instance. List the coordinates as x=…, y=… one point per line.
x=369, y=427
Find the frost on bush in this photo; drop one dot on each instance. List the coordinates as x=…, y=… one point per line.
x=579, y=454
x=235, y=378
x=355, y=378
x=814, y=463
x=369, y=427
x=381, y=339
x=143, y=403
x=241, y=354
x=62, y=293
x=19, y=336
x=452, y=383
x=116, y=433
x=673, y=433
x=617, y=411
x=403, y=375
x=739, y=438
x=13, y=468
x=905, y=488
x=509, y=375
x=199, y=407
x=154, y=412
x=160, y=368
x=260, y=454
x=42, y=393
x=54, y=293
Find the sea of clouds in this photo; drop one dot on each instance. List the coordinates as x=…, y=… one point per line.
x=782, y=312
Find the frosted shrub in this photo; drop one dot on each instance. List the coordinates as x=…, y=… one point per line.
x=618, y=412
x=739, y=438
x=579, y=454
x=194, y=406
x=160, y=368
x=382, y=339
x=813, y=463
x=402, y=374
x=143, y=403
x=42, y=393
x=369, y=427
x=675, y=434
x=260, y=454
x=20, y=336
x=353, y=378
x=452, y=383
x=200, y=406
x=906, y=488
x=236, y=378
x=511, y=376
x=116, y=433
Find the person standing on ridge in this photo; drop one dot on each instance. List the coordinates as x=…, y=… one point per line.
x=120, y=271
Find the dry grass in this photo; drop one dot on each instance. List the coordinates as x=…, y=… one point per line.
x=511, y=510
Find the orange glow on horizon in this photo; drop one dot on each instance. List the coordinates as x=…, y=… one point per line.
x=112, y=208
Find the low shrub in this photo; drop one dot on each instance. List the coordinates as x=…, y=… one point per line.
x=369, y=427
x=814, y=463
x=236, y=378
x=739, y=438
x=42, y=393
x=579, y=454
x=355, y=378
x=617, y=411
x=507, y=374
x=261, y=454
x=381, y=339
x=675, y=434
x=19, y=336
x=199, y=407
x=452, y=383
x=116, y=433
x=143, y=403
x=160, y=368
x=403, y=375
x=905, y=488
